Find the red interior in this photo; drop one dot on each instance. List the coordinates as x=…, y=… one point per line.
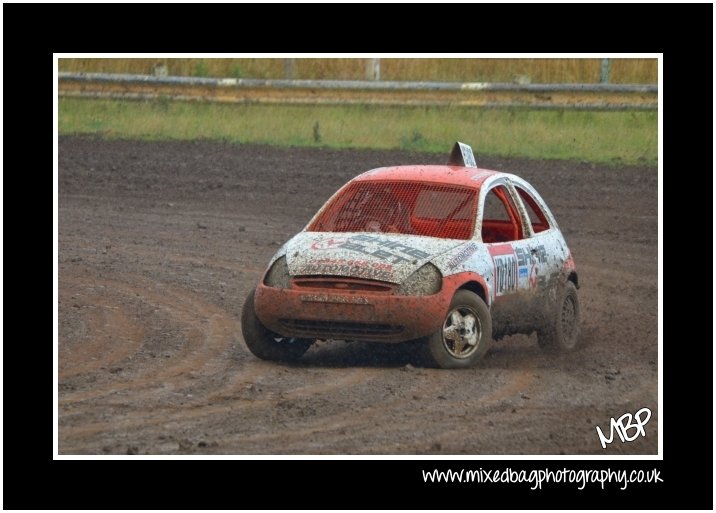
x=458, y=229
x=497, y=231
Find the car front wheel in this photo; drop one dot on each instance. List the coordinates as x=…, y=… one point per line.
x=266, y=344
x=465, y=336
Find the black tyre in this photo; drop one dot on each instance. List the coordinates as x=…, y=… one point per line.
x=466, y=334
x=562, y=330
x=266, y=344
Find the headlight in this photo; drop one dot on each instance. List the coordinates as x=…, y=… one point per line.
x=425, y=281
x=278, y=274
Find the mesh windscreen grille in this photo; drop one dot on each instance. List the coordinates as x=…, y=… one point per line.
x=414, y=208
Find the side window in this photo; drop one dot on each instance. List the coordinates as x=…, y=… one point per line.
x=537, y=218
x=500, y=221
x=495, y=209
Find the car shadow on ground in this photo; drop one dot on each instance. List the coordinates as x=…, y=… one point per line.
x=338, y=353
x=513, y=352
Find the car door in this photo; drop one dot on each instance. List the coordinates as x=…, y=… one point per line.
x=506, y=235
x=544, y=252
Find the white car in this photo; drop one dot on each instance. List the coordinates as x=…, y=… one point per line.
x=451, y=256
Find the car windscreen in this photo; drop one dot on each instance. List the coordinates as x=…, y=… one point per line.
x=414, y=208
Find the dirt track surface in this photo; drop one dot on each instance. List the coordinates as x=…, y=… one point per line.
x=160, y=242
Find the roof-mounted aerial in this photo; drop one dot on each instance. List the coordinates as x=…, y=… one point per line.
x=461, y=155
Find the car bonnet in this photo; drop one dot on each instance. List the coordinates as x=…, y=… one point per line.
x=375, y=256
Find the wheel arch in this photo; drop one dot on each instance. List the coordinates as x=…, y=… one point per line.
x=477, y=288
x=573, y=278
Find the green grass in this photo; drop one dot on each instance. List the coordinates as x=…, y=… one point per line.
x=601, y=137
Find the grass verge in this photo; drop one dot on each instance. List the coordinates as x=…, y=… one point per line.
x=600, y=137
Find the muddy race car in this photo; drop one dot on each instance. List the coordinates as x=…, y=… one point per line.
x=449, y=257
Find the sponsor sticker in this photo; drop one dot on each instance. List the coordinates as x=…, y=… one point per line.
x=384, y=249
x=505, y=268
x=462, y=255
x=327, y=298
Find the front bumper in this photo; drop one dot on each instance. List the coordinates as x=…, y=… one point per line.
x=355, y=315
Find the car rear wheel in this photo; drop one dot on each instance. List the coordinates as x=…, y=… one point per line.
x=465, y=336
x=562, y=331
x=266, y=344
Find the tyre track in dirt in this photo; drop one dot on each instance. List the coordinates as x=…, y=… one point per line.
x=199, y=357
x=105, y=348
x=161, y=242
x=199, y=349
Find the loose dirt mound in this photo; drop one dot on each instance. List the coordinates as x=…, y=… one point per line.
x=161, y=242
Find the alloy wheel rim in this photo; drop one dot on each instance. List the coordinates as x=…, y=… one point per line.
x=461, y=332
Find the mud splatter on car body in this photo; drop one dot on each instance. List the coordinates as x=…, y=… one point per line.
x=384, y=259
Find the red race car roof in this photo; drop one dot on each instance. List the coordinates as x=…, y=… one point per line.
x=454, y=175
